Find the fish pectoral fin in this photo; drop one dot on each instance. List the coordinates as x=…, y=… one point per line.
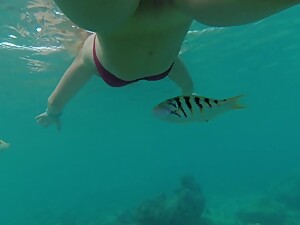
x=175, y=112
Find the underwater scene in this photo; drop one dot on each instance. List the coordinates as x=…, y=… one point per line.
x=114, y=163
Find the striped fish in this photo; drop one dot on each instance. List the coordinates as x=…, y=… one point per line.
x=4, y=145
x=194, y=108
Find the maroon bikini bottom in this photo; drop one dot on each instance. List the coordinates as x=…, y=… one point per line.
x=114, y=81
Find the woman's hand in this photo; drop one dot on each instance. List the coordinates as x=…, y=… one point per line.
x=46, y=120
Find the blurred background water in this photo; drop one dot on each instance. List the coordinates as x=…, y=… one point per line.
x=112, y=154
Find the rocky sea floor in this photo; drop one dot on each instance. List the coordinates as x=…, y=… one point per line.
x=187, y=206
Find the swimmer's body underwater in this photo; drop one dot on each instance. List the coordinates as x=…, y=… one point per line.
x=141, y=39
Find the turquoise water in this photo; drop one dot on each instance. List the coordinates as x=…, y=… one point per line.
x=111, y=154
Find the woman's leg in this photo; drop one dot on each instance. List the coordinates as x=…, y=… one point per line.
x=232, y=12
x=98, y=15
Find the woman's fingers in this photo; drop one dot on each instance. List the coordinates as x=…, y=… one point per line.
x=45, y=121
x=41, y=115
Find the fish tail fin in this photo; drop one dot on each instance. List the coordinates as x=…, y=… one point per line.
x=234, y=102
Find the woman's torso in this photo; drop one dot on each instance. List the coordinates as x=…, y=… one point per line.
x=145, y=44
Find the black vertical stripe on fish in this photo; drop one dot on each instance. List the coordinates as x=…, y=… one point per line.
x=207, y=102
x=172, y=104
x=216, y=102
x=180, y=106
x=197, y=101
x=188, y=103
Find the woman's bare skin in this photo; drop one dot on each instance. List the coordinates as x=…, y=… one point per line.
x=140, y=38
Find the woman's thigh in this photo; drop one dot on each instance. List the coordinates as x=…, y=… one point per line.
x=98, y=15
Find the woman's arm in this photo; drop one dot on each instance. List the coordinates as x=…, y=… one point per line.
x=232, y=12
x=74, y=78
x=181, y=77
x=71, y=82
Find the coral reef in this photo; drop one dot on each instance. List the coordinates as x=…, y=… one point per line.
x=184, y=207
